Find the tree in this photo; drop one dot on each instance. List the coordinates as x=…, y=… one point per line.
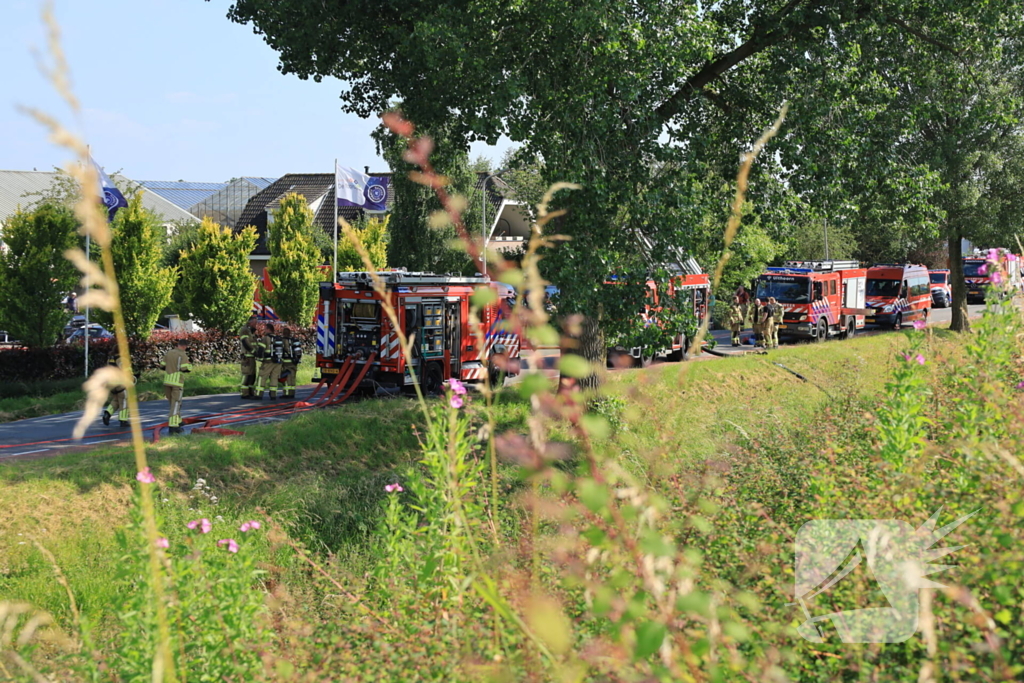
x=807, y=240
x=294, y=261
x=34, y=275
x=417, y=242
x=138, y=251
x=627, y=98
x=373, y=232
x=217, y=284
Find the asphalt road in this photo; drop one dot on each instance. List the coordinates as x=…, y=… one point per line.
x=45, y=436
x=50, y=435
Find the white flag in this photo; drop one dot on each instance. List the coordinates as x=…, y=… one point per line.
x=350, y=186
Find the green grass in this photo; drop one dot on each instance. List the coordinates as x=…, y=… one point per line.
x=20, y=400
x=322, y=474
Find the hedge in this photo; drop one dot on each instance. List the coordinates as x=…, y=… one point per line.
x=66, y=361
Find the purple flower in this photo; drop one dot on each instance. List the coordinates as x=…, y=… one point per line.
x=983, y=269
x=920, y=324
x=920, y=359
x=394, y=488
x=996, y=278
x=230, y=543
x=249, y=526
x=457, y=387
x=145, y=476
x=163, y=543
x=204, y=525
x=993, y=255
x=456, y=401
x=1020, y=385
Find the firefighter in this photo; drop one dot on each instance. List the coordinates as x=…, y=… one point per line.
x=767, y=316
x=292, y=356
x=744, y=297
x=174, y=364
x=736, y=319
x=247, y=340
x=270, y=352
x=756, y=323
x=777, y=314
x=118, y=398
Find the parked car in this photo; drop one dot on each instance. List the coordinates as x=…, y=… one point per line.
x=96, y=332
x=76, y=323
x=942, y=293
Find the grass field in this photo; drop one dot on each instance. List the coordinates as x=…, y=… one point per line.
x=20, y=400
x=322, y=474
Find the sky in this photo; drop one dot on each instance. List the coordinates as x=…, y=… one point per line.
x=172, y=90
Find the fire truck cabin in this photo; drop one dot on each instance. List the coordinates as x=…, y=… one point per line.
x=433, y=310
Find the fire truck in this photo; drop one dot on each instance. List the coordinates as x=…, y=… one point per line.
x=696, y=288
x=977, y=274
x=820, y=299
x=358, y=346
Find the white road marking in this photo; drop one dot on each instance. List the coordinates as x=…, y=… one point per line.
x=41, y=450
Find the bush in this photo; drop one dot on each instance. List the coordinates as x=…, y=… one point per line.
x=67, y=361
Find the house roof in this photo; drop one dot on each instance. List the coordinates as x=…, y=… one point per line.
x=23, y=189
x=182, y=193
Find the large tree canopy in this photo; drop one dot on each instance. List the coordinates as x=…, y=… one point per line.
x=642, y=102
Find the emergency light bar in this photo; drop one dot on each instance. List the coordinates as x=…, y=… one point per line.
x=787, y=269
x=394, y=277
x=824, y=266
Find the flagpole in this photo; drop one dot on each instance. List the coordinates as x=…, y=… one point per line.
x=334, y=278
x=86, y=328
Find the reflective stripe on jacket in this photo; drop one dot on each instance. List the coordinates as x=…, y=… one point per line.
x=175, y=363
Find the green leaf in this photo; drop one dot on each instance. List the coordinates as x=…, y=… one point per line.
x=533, y=384
x=483, y=296
x=596, y=427
x=1003, y=616
x=696, y=602
x=572, y=365
x=593, y=495
x=649, y=637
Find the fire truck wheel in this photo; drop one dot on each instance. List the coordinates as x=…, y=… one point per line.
x=851, y=329
x=821, y=332
x=898, y=322
x=645, y=359
x=433, y=379
x=681, y=353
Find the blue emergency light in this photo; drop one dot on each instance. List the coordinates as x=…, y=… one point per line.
x=779, y=269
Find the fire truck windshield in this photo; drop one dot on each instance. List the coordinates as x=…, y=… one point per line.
x=786, y=290
x=938, y=278
x=971, y=268
x=884, y=287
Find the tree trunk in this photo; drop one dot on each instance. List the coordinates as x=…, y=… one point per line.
x=960, y=322
x=590, y=344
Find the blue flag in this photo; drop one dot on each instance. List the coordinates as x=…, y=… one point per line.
x=109, y=194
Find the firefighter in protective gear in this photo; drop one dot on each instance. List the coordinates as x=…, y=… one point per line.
x=175, y=364
x=736, y=319
x=757, y=324
x=777, y=315
x=766, y=315
x=270, y=352
x=118, y=398
x=247, y=340
x=292, y=356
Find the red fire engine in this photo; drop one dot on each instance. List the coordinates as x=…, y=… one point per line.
x=978, y=272
x=696, y=287
x=357, y=344
x=898, y=293
x=820, y=299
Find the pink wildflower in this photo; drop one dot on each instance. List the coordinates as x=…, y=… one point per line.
x=230, y=543
x=1011, y=257
x=983, y=269
x=997, y=278
x=1020, y=385
x=920, y=359
x=204, y=525
x=145, y=476
x=394, y=488
x=249, y=526
x=993, y=255
x=163, y=543
x=920, y=324
x=456, y=401
x=457, y=387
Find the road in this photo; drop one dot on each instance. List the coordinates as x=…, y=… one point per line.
x=50, y=435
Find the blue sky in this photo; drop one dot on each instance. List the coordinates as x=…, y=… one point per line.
x=170, y=89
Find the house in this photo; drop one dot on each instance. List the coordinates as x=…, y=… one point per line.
x=506, y=224
x=22, y=189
